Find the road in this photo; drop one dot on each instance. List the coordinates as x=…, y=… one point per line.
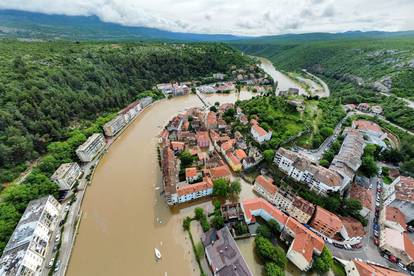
x=326, y=91
x=409, y=103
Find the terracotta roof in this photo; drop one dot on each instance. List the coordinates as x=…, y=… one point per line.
x=305, y=242
x=327, y=177
x=214, y=135
x=304, y=205
x=197, y=187
x=233, y=159
x=211, y=118
x=202, y=155
x=404, y=190
x=190, y=172
x=394, y=214
x=368, y=269
x=259, y=130
x=177, y=145
x=228, y=145
x=240, y=154
x=185, y=125
x=251, y=205
x=353, y=227
x=327, y=218
x=408, y=246
x=367, y=125
x=362, y=194
x=219, y=172
x=266, y=183
x=253, y=122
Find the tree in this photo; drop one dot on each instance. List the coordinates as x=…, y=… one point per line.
x=186, y=223
x=274, y=226
x=268, y=155
x=199, y=213
x=235, y=188
x=369, y=166
x=324, y=262
x=326, y=132
x=264, y=231
x=186, y=159
x=324, y=163
x=271, y=269
x=213, y=108
x=217, y=222
x=199, y=250
x=268, y=252
x=241, y=228
x=221, y=188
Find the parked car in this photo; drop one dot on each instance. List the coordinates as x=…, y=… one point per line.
x=358, y=245
x=376, y=227
x=392, y=259
x=51, y=262
x=67, y=207
x=376, y=233
x=57, y=239
x=57, y=266
x=61, y=222
x=338, y=245
x=376, y=241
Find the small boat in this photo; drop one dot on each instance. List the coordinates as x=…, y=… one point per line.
x=157, y=253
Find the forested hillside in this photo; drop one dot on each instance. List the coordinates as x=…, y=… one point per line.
x=46, y=88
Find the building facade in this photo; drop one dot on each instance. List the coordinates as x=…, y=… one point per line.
x=66, y=175
x=114, y=126
x=91, y=148
x=26, y=250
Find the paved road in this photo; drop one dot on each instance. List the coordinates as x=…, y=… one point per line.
x=326, y=91
x=409, y=103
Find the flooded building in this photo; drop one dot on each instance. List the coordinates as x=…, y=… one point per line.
x=26, y=250
x=91, y=148
x=114, y=126
x=66, y=175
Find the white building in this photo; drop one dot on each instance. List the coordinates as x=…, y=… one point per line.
x=66, y=175
x=114, y=126
x=259, y=134
x=91, y=148
x=25, y=252
x=131, y=111
x=400, y=194
x=189, y=192
x=145, y=102
x=265, y=188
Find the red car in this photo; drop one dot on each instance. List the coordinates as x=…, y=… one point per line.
x=392, y=259
x=376, y=241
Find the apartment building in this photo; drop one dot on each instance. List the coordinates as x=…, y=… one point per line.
x=393, y=218
x=189, y=192
x=131, y=111
x=265, y=188
x=170, y=170
x=26, y=250
x=301, y=210
x=259, y=134
x=114, y=126
x=326, y=222
x=144, y=102
x=91, y=148
x=66, y=175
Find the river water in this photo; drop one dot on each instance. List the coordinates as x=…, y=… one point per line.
x=124, y=216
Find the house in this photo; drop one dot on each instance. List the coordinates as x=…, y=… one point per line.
x=211, y=120
x=352, y=231
x=259, y=134
x=326, y=222
x=240, y=154
x=131, y=111
x=265, y=188
x=283, y=199
x=144, y=102
x=192, y=175
x=243, y=119
x=91, y=148
x=364, y=107
x=66, y=175
x=359, y=267
x=227, y=146
x=369, y=128
x=364, y=196
x=203, y=141
x=400, y=194
x=398, y=245
x=232, y=212
x=219, y=76
x=222, y=254
x=177, y=147
x=221, y=172
x=233, y=161
x=301, y=210
x=304, y=246
x=350, y=107
x=30, y=243
x=189, y=192
x=376, y=109
x=170, y=172
x=393, y=218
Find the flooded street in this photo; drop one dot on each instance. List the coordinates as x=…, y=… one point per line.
x=124, y=216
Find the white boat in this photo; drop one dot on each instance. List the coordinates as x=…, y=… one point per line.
x=157, y=253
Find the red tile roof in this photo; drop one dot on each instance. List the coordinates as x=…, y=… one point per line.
x=228, y=145
x=266, y=183
x=220, y=172
x=233, y=159
x=404, y=190
x=408, y=246
x=353, y=227
x=251, y=205
x=394, y=214
x=240, y=154
x=367, y=125
x=325, y=217
x=259, y=130
x=197, y=187
x=211, y=118
x=368, y=269
x=190, y=172
x=177, y=145
x=362, y=194
x=305, y=242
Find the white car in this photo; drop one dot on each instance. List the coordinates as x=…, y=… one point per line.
x=57, y=238
x=67, y=208
x=57, y=266
x=51, y=262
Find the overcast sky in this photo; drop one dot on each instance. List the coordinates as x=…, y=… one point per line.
x=241, y=17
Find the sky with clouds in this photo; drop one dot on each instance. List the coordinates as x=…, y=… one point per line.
x=241, y=17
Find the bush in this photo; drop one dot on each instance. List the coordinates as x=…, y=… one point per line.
x=241, y=228
x=186, y=223
x=271, y=269
x=204, y=224
x=324, y=262
x=217, y=222
x=270, y=253
x=199, y=213
x=264, y=231
x=324, y=163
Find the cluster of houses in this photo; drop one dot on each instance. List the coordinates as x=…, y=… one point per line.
x=67, y=175
x=219, y=87
x=252, y=75
x=29, y=245
x=174, y=88
x=209, y=139
x=365, y=107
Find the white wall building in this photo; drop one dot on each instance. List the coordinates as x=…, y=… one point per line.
x=25, y=252
x=66, y=175
x=91, y=148
x=259, y=134
x=114, y=126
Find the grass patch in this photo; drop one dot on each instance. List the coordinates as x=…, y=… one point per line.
x=338, y=269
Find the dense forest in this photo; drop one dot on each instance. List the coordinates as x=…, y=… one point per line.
x=48, y=88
